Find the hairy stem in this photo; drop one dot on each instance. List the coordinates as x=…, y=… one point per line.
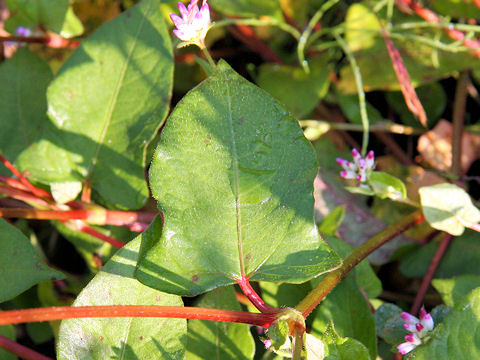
x=179, y=312
x=309, y=303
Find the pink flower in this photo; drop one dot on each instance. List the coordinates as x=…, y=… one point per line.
x=192, y=27
x=360, y=168
x=419, y=330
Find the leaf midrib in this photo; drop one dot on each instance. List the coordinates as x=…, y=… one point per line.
x=114, y=101
x=238, y=214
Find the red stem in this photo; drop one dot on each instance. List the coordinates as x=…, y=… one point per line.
x=82, y=227
x=256, y=300
x=20, y=350
x=23, y=195
x=179, y=312
x=36, y=191
x=430, y=273
x=97, y=216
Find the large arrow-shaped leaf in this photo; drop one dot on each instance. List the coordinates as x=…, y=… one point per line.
x=105, y=105
x=233, y=174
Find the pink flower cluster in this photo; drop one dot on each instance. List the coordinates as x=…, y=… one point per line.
x=419, y=330
x=192, y=27
x=360, y=168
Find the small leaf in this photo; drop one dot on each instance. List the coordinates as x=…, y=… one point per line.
x=278, y=334
x=279, y=80
x=455, y=289
x=389, y=324
x=456, y=337
x=102, y=120
x=448, y=207
x=20, y=262
x=314, y=348
x=237, y=196
x=64, y=192
x=219, y=340
x=23, y=103
x=332, y=221
x=386, y=185
x=343, y=348
x=125, y=338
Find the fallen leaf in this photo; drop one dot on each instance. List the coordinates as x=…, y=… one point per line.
x=435, y=146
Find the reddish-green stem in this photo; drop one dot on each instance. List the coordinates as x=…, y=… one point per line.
x=179, y=312
x=33, y=189
x=20, y=350
x=251, y=294
x=437, y=258
x=97, y=216
x=82, y=227
x=309, y=303
x=23, y=196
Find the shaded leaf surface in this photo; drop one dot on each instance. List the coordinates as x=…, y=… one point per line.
x=455, y=289
x=123, y=338
x=219, y=340
x=342, y=348
x=465, y=247
x=105, y=106
x=19, y=261
x=233, y=175
x=23, y=104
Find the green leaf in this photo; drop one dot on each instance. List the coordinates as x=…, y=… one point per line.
x=389, y=324
x=248, y=8
x=386, y=185
x=23, y=103
x=237, y=196
x=465, y=248
x=456, y=8
x=20, y=265
x=332, y=221
x=279, y=80
x=219, y=340
x=448, y=207
x=55, y=15
x=455, y=289
x=346, y=306
x=102, y=120
x=7, y=331
x=125, y=338
x=457, y=337
x=343, y=348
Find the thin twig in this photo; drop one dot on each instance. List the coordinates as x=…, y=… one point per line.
x=20, y=350
x=458, y=117
x=437, y=258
